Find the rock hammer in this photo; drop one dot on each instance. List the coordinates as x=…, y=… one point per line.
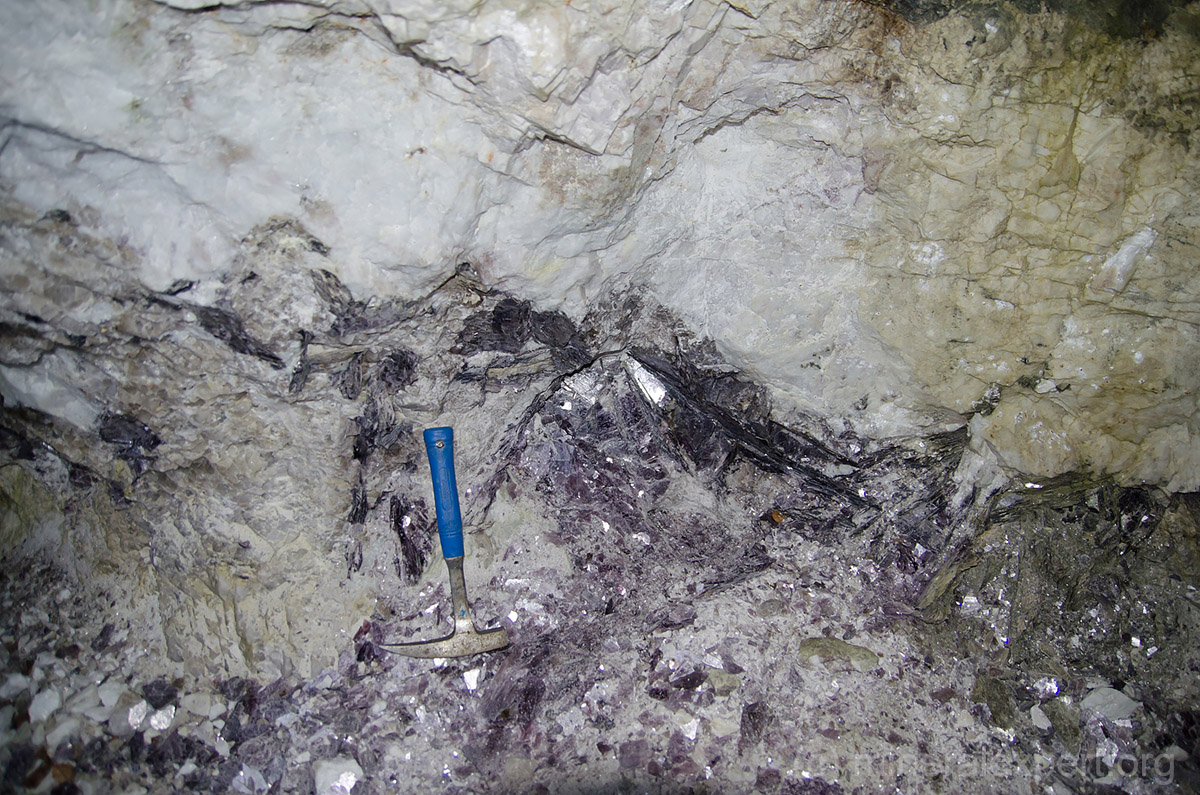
x=466, y=638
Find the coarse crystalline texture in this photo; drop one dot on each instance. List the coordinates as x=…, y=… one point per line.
x=247, y=248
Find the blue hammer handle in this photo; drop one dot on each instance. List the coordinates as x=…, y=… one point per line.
x=439, y=443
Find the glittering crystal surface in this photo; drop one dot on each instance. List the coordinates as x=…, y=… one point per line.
x=823, y=378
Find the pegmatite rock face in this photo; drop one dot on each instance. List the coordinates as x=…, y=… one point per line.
x=724, y=300
x=887, y=221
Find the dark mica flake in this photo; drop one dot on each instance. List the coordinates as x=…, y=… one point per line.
x=677, y=616
x=102, y=641
x=15, y=444
x=510, y=324
x=632, y=754
x=358, y=504
x=376, y=430
x=303, y=367
x=275, y=708
x=362, y=440
x=754, y=723
x=408, y=522
x=360, y=316
x=252, y=730
x=349, y=379
x=227, y=771
x=231, y=732
x=530, y=699
x=713, y=419
x=167, y=753
x=690, y=681
x=239, y=689
x=58, y=216
x=136, y=747
x=354, y=558
x=179, y=286
x=229, y=328
x=133, y=440
x=767, y=779
x=21, y=760
x=810, y=786
x=127, y=432
x=116, y=493
x=364, y=642
x=159, y=693
x=397, y=371
x=330, y=288
x=504, y=328
x=555, y=330
x=80, y=476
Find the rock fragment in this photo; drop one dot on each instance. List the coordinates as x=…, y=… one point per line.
x=336, y=776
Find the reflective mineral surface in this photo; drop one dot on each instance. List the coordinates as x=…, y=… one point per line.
x=823, y=378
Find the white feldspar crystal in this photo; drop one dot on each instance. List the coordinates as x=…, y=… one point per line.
x=336, y=776
x=471, y=678
x=650, y=387
x=62, y=732
x=110, y=691
x=85, y=699
x=14, y=684
x=1118, y=269
x=1111, y=703
x=99, y=713
x=44, y=705
x=48, y=391
x=199, y=704
x=249, y=780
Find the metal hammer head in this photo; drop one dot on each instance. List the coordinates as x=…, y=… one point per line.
x=466, y=639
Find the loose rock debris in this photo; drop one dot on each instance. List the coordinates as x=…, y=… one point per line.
x=702, y=597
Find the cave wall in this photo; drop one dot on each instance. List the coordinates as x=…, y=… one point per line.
x=240, y=245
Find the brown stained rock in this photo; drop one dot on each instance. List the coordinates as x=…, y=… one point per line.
x=1064, y=717
x=999, y=700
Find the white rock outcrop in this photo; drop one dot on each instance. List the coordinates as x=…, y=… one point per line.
x=858, y=210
